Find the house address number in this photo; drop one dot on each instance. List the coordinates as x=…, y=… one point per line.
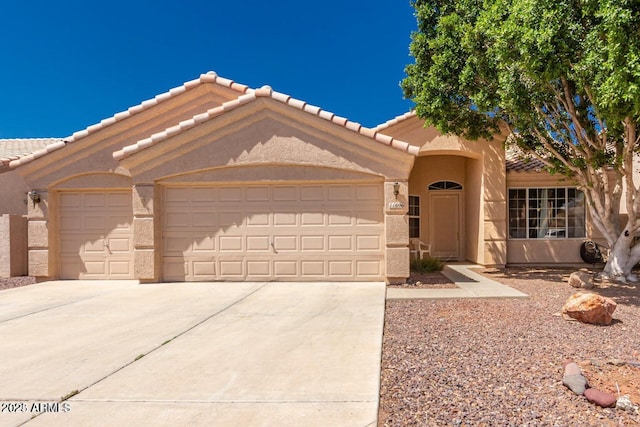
x=396, y=205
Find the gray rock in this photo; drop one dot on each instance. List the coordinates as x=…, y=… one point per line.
x=576, y=383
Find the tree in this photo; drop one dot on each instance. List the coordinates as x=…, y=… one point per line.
x=563, y=75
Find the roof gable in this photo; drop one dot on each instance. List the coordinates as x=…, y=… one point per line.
x=149, y=123
x=251, y=96
x=260, y=131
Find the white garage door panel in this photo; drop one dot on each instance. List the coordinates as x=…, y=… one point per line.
x=274, y=232
x=96, y=235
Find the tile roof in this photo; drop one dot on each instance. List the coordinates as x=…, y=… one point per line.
x=517, y=161
x=266, y=92
x=245, y=94
x=13, y=149
x=395, y=121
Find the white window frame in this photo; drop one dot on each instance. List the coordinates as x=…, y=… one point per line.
x=552, y=233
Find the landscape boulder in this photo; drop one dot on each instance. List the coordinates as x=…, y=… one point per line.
x=589, y=308
x=580, y=279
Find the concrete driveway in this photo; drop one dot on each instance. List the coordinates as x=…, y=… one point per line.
x=185, y=354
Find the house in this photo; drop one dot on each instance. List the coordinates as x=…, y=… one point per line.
x=217, y=181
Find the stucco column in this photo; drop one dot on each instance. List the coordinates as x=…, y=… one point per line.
x=40, y=254
x=494, y=209
x=144, y=226
x=495, y=233
x=396, y=224
x=13, y=245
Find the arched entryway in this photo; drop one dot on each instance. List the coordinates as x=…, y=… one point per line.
x=444, y=205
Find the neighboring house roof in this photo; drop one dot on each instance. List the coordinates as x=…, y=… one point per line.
x=244, y=95
x=13, y=149
x=516, y=161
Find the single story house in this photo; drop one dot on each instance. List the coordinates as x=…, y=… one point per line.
x=214, y=180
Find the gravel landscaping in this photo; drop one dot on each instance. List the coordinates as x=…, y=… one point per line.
x=14, y=282
x=499, y=362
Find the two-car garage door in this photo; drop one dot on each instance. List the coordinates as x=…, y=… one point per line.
x=306, y=231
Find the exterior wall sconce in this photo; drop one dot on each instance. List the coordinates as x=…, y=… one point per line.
x=396, y=189
x=34, y=196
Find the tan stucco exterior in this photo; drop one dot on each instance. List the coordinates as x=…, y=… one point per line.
x=264, y=141
x=13, y=249
x=116, y=199
x=478, y=166
x=13, y=194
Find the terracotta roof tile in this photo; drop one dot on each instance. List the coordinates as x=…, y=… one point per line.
x=296, y=103
x=327, y=115
x=412, y=149
x=385, y=139
x=267, y=92
x=312, y=109
x=353, y=126
x=395, y=121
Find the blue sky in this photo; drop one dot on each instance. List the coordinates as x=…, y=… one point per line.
x=69, y=64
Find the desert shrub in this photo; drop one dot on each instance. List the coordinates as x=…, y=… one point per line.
x=427, y=265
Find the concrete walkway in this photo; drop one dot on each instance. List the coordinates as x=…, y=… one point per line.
x=469, y=285
x=191, y=354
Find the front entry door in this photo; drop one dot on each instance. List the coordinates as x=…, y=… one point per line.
x=444, y=215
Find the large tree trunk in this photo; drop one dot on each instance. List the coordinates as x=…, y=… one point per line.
x=622, y=259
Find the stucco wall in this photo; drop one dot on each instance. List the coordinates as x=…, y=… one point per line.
x=13, y=245
x=262, y=137
x=480, y=167
x=13, y=190
x=265, y=141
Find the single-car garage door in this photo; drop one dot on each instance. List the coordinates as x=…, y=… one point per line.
x=96, y=237
x=306, y=231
